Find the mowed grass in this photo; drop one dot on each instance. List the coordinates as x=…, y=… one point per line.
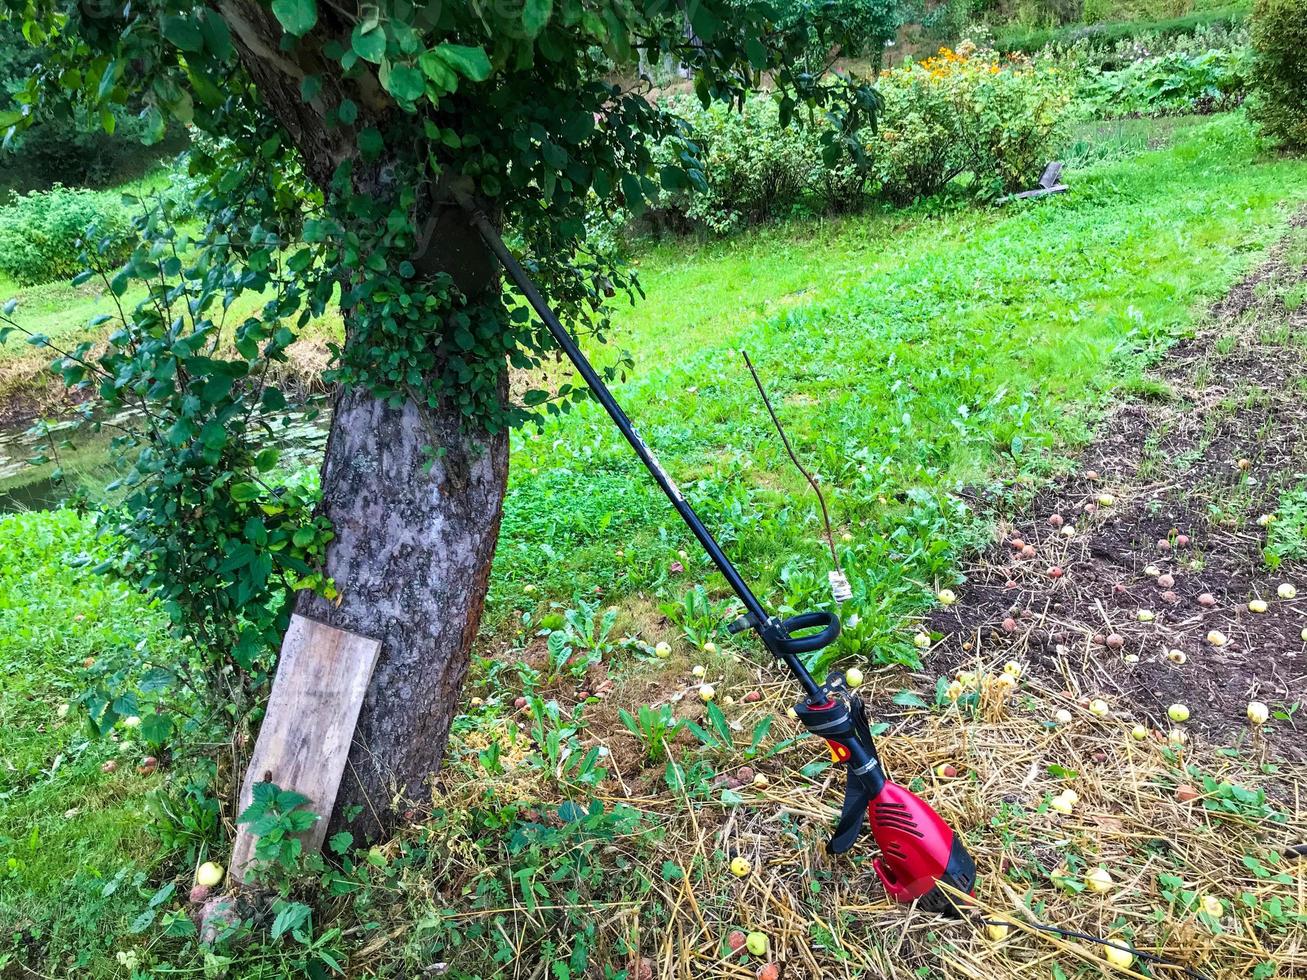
x=67, y=829
x=909, y=353
x=933, y=350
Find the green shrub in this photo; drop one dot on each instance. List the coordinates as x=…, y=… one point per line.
x=1030, y=41
x=754, y=168
x=1178, y=82
x=43, y=234
x=1279, y=73
x=967, y=111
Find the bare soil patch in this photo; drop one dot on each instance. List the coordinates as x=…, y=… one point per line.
x=1164, y=512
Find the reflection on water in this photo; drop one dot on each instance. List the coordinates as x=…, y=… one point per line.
x=89, y=463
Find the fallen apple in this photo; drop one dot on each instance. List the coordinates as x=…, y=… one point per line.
x=757, y=943
x=1216, y=638
x=954, y=690
x=663, y=650
x=1258, y=712
x=1105, y=500
x=946, y=770
x=740, y=866
x=1177, y=657
x=1212, y=906
x=996, y=932
x=1207, y=600
x=1178, y=713
x=1009, y=625
x=1184, y=793
x=1139, y=733
x=1165, y=581
x=1063, y=717
x=209, y=874
x=1145, y=615
x=697, y=670
x=1012, y=669
x=735, y=940
x=769, y=971
x=1028, y=551
x=707, y=692
x=109, y=766
x=1099, y=880
x=1121, y=958
x=1055, y=571
x=710, y=647
x=921, y=641
x=1257, y=606
x=1176, y=737
x=946, y=597
x=1055, y=520
x=1287, y=590
x=853, y=677
x=1099, y=708
x=1114, y=641
x=1062, y=804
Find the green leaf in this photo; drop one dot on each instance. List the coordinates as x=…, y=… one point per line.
x=907, y=699
x=310, y=87
x=245, y=492
x=369, y=45
x=470, y=62
x=183, y=33
x=703, y=20
x=292, y=916
x=370, y=142
x=341, y=842
x=405, y=82
x=217, y=36
x=297, y=17
x=535, y=15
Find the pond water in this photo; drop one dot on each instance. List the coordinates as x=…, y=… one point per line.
x=83, y=458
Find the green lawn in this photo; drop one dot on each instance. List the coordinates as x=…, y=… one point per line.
x=909, y=353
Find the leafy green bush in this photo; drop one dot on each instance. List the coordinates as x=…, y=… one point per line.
x=753, y=168
x=43, y=234
x=967, y=111
x=1118, y=54
x=1279, y=73
x=959, y=112
x=1209, y=81
x=1023, y=38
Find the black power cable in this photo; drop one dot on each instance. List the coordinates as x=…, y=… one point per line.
x=1124, y=947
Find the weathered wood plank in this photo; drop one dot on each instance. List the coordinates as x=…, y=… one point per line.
x=307, y=730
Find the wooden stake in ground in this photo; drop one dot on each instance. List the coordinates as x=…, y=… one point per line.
x=305, y=739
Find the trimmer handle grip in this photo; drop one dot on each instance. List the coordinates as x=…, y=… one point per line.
x=830, y=632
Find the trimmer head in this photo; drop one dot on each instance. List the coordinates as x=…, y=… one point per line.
x=918, y=849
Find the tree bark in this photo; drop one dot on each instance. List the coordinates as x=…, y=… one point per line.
x=413, y=541
x=411, y=558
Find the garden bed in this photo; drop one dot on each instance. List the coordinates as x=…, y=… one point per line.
x=1190, y=473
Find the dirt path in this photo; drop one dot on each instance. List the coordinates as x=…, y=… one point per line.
x=1188, y=473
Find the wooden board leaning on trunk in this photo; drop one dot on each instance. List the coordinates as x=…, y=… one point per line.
x=309, y=724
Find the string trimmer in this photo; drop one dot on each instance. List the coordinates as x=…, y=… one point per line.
x=918, y=850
